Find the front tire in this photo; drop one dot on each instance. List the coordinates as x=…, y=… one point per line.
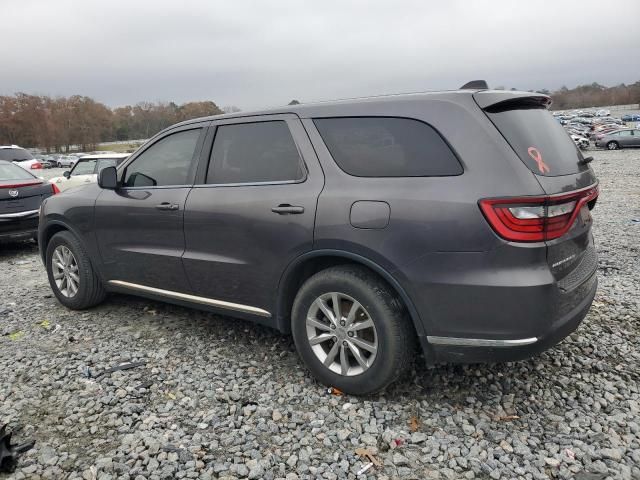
x=59, y=165
x=351, y=331
x=71, y=275
x=613, y=146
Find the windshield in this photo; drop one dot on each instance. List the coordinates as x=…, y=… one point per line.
x=12, y=154
x=9, y=171
x=539, y=140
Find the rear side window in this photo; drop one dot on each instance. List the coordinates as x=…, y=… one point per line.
x=109, y=162
x=14, y=154
x=387, y=147
x=539, y=140
x=254, y=153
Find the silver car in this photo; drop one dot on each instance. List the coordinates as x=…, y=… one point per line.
x=620, y=139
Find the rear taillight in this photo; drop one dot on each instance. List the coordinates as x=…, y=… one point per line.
x=535, y=219
x=54, y=188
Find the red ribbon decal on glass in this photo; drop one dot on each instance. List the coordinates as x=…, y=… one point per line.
x=537, y=156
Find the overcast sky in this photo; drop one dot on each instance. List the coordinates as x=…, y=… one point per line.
x=263, y=53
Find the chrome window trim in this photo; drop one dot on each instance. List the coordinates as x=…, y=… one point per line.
x=191, y=298
x=480, y=342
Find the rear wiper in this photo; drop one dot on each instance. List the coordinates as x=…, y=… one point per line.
x=586, y=160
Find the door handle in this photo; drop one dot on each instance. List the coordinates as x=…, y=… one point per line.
x=167, y=206
x=285, y=209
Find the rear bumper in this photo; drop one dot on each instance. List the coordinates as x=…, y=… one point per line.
x=18, y=228
x=469, y=350
x=500, y=305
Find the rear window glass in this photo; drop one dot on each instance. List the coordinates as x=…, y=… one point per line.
x=387, y=147
x=8, y=171
x=12, y=154
x=539, y=140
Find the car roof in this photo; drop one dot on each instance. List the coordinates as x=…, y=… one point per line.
x=105, y=155
x=324, y=108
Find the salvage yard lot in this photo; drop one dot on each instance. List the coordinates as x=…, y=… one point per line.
x=217, y=397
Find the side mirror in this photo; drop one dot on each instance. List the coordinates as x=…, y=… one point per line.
x=66, y=174
x=108, y=178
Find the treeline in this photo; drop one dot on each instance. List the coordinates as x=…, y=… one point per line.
x=57, y=123
x=593, y=95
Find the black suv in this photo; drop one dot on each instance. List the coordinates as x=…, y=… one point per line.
x=458, y=221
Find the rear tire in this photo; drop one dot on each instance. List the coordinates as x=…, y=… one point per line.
x=613, y=146
x=71, y=275
x=371, y=348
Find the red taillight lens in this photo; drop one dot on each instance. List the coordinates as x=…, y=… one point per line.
x=54, y=188
x=36, y=166
x=535, y=219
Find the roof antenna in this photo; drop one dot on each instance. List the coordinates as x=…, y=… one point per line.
x=475, y=85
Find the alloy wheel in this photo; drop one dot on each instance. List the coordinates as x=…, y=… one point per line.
x=65, y=271
x=341, y=334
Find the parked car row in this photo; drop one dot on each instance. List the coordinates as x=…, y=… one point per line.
x=600, y=128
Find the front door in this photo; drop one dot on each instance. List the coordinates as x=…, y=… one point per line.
x=139, y=226
x=252, y=212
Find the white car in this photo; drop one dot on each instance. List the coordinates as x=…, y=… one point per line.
x=86, y=169
x=581, y=142
x=66, y=161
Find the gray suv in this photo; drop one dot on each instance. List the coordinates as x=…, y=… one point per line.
x=458, y=222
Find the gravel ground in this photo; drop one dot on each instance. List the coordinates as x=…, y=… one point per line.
x=222, y=398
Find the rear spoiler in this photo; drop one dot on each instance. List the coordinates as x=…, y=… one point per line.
x=501, y=100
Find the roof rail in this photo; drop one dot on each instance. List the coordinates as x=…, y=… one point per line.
x=475, y=85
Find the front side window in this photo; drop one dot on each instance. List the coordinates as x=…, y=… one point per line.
x=387, y=147
x=169, y=161
x=84, y=167
x=625, y=133
x=254, y=153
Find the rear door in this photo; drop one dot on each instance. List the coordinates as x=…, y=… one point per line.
x=139, y=226
x=252, y=210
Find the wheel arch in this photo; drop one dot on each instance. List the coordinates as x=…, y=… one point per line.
x=312, y=262
x=55, y=226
